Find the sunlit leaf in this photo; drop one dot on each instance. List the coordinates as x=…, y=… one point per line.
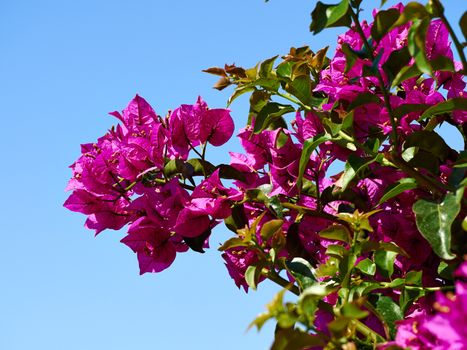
x=389, y=311
x=308, y=147
x=229, y=172
x=302, y=272
x=336, y=232
x=412, y=11
x=269, y=112
x=295, y=339
x=405, y=73
x=367, y=266
x=434, y=221
x=265, y=68
x=233, y=242
x=463, y=24
x=385, y=262
x=430, y=142
x=269, y=228
x=397, y=60
x=416, y=44
x=407, y=108
x=324, y=16
x=353, y=166
x=397, y=188
x=453, y=104
x=240, y=90
x=252, y=275
x=383, y=22
x=353, y=311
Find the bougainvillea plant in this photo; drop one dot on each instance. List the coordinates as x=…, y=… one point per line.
x=375, y=252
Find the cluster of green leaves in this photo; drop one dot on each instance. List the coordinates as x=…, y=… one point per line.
x=293, y=79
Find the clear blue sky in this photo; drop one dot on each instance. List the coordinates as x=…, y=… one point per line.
x=63, y=66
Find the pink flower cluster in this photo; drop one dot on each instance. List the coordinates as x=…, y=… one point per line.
x=124, y=179
x=445, y=328
x=120, y=180
x=347, y=86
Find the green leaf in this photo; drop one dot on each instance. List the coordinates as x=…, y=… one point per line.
x=366, y=287
x=233, y=242
x=336, y=232
x=457, y=175
x=238, y=219
x=416, y=44
x=428, y=141
x=425, y=160
x=269, y=228
x=336, y=251
x=239, y=91
x=265, y=68
x=372, y=71
x=385, y=262
x=270, y=84
x=353, y=166
x=258, y=99
x=396, y=283
x=367, y=266
x=412, y=11
x=453, y=104
x=269, y=112
x=463, y=24
x=346, y=265
x=350, y=57
x=302, y=271
x=446, y=271
x=295, y=339
x=407, y=108
x=408, y=296
x=286, y=319
x=339, y=327
x=414, y=278
x=275, y=204
x=229, y=172
x=405, y=73
x=383, y=21
x=319, y=59
x=197, y=243
x=260, y=320
x=336, y=12
x=252, y=275
x=256, y=195
x=301, y=88
x=434, y=222
x=388, y=310
x=442, y=63
x=397, y=188
x=392, y=247
x=282, y=139
x=201, y=167
x=325, y=16
x=353, y=311
x=174, y=166
x=329, y=268
x=396, y=61
x=308, y=147
x=284, y=69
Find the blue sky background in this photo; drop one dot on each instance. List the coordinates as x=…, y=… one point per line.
x=63, y=66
